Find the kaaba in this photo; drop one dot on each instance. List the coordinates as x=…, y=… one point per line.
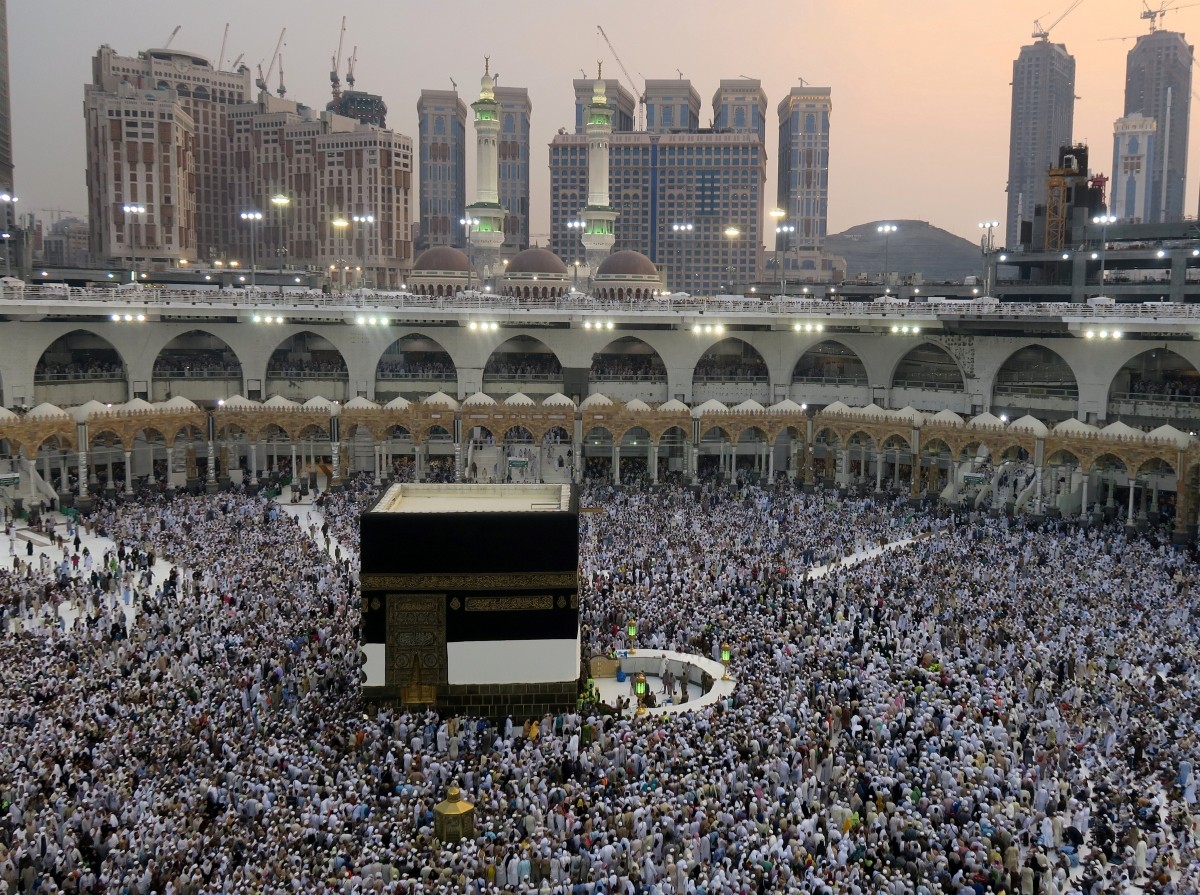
x=470, y=599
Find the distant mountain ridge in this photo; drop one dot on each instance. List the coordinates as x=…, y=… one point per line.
x=915, y=247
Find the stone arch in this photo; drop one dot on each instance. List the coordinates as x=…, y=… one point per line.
x=638, y=361
x=306, y=354
x=435, y=431
x=479, y=434
x=1156, y=374
x=518, y=434
x=208, y=357
x=830, y=362
x=635, y=436
x=1035, y=369
x=556, y=435
x=416, y=356
x=928, y=365
x=523, y=356
x=77, y=355
x=731, y=359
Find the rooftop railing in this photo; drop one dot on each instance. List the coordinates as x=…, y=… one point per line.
x=486, y=306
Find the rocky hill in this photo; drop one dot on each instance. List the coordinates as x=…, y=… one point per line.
x=916, y=247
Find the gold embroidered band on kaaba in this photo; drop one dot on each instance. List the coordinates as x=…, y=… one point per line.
x=468, y=581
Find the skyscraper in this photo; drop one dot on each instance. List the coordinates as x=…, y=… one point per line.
x=618, y=98
x=804, y=166
x=674, y=196
x=1130, y=196
x=672, y=105
x=199, y=97
x=442, y=133
x=1158, y=84
x=1043, y=112
x=170, y=134
x=515, y=109
x=740, y=104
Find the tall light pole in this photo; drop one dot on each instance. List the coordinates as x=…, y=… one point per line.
x=6, y=236
x=782, y=235
x=1103, y=220
x=470, y=224
x=363, y=221
x=339, y=227
x=253, y=218
x=682, y=228
x=887, y=230
x=987, y=245
x=731, y=233
x=130, y=212
x=281, y=203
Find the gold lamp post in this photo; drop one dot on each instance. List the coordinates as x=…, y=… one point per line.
x=631, y=629
x=640, y=689
x=454, y=818
x=726, y=654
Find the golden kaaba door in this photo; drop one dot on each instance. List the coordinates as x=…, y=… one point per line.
x=416, y=646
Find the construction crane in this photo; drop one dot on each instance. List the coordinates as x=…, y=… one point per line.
x=264, y=80
x=680, y=74
x=1043, y=32
x=221, y=55
x=454, y=84
x=282, y=90
x=171, y=39
x=56, y=214
x=641, y=123
x=237, y=62
x=335, y=80
x=350, y=68
x=1153, y=15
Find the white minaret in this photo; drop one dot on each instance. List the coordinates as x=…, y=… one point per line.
x=485, y=217
x=598, y=216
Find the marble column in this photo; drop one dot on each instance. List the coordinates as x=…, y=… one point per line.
x=212, y=463
x=129, y=472
x=1083, y=504
x=878, y=471
x=83, y=470
x=1038, y=506
x=652, y=455
x=616, y=458
x=1132, y=487
x=295, y=468
x=770, y=462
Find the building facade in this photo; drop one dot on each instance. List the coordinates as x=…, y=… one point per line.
x=675, y=196
x=168, y=133
x=205, y=96
x=803, y=191
x=442, y=132
x=740, y=104
x=515, y=111
x=1158, y=84
x=622, y=102
x=671, y=105
x=1130, y=191
x=142, y=153
x=1043, y=113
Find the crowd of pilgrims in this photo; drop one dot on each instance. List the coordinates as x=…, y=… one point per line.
x=983, y=708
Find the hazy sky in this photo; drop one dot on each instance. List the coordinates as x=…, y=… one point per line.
x=920, y=87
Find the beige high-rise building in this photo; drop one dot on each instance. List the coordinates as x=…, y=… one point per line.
x=194, y=148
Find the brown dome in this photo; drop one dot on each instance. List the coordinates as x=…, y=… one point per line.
x=442, y=258
x=537, y=261
x=627, y=263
